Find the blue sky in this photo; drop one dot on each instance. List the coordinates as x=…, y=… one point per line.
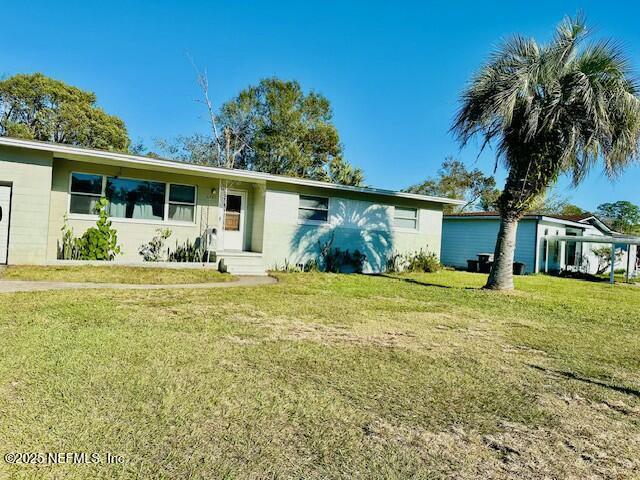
x=392, y=71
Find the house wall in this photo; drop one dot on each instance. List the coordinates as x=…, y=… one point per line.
x=29, y=174
x=356, y=222
x=131, y=233
x=464, y=238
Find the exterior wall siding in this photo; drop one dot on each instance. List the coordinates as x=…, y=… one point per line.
x=354, y=224
x=29, y=174
x=464, y=239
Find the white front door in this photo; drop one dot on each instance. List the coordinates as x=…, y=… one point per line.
x=235, y=205
x=5, y=209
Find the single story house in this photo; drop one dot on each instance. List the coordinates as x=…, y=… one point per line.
x=253, y=221
x=540, y=241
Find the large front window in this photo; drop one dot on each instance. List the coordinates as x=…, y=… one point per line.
x=135, y=198
x=132, y=198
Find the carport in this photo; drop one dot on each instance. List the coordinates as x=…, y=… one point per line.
x=613, y=241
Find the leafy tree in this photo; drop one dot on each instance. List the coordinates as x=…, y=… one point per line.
x=554, y=204
x=622, y=216
x=551, y=109
x=36, y=107
x=603, y=255
x=273, y=127
x=455, y=181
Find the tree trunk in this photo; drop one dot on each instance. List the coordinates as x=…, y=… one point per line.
x=501, y=276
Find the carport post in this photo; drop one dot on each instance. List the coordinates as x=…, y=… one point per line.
x=628, y=261
x=613, y=264
x=546, y=255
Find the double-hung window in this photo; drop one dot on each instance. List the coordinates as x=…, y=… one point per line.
x=313, y=209
x=85, y=191
x=406, y=218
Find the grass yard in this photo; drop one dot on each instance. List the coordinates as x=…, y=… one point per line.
x=326, y=376
x=113, y=274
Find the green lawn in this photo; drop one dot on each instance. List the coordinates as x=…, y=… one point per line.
x=325, y=376
x=113, y=274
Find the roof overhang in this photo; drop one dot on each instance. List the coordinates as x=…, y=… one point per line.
x=148, y=163
x=594, y=239
x=597, y=223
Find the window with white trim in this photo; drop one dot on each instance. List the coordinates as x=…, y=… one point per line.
x=85, y=191
x=182, y=202
x=313, y=209
x=404, y=217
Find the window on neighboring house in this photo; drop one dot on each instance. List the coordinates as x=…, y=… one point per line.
x=140, y=199
x=314, y=209
x=86, y=190
x=182, y=202
x=405, y=218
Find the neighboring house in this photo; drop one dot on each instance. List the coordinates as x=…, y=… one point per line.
x=466, y=235
x=597, y=228
x=252, y=220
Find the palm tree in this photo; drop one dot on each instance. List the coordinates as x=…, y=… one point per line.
x=549, y=109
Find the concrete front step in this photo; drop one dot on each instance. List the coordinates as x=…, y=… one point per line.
x=243, y=263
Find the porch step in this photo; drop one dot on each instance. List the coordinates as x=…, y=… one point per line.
x=243, y=263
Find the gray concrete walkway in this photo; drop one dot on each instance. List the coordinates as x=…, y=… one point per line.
x=11, y=286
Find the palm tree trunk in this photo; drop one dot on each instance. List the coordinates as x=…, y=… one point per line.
x=501, y=276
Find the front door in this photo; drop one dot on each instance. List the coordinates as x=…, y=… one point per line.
x=5, y=211
x=233, y=238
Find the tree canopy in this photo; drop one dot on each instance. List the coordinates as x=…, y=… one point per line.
x=36, y=107
x=273, y=127
x=622, y=216
x=454, y=180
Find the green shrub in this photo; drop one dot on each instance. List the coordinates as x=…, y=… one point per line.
x=69, y=247
x=420, y=261
x=99, y=242
x=336, y=260
x=154, y=250
x=188, y=252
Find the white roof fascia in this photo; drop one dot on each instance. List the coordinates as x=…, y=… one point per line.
x=135, y=160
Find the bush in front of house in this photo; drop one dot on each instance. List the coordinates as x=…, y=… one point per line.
x=188, y=252
x=335, y=260
x=100, y=242
x=154, y=250
x=97, y=243
x=420, y=261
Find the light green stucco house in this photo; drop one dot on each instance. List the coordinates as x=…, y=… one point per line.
x=254, y=221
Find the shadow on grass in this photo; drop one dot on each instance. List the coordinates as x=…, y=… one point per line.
x=593, y=381
x=424, y=284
